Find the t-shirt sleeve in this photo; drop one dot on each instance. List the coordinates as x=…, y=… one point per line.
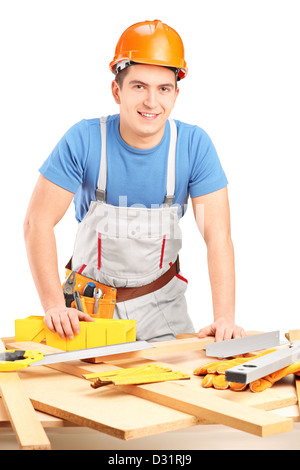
x=65, y=164
x=207, y=174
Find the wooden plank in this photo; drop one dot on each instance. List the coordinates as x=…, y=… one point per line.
x=297, y=385
x=31, y=346
x=217, y=410
x=107, y=410
x=294, y=335
x=28, y=429
x=46, y=420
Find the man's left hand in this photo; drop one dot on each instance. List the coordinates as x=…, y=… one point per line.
x=222, y=329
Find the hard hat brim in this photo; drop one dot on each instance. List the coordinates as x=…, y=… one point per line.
x=182, y=69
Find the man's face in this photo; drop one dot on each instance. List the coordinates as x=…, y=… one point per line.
x=146, y=99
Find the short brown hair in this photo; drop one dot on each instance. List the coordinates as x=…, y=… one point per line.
x=120, y=76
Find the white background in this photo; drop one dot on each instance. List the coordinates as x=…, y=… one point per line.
x=242, y=88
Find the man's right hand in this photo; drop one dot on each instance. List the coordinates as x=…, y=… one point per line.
x=65, y=321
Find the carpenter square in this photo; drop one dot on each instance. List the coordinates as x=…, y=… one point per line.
x=19, y=359
x=234, y=347
x=264, y=365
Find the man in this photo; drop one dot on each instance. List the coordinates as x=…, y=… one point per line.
x=130, y=176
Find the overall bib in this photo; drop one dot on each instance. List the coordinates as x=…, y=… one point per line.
x=129, y=247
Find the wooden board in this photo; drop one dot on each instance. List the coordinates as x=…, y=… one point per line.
x=46, y=420
x=114, y=412
x=28, y=429
x=217, y=410
x=107, y=410
x=294, y=335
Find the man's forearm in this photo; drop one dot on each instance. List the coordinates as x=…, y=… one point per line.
x=220, y=257
x=42, y=256
x=47, y=206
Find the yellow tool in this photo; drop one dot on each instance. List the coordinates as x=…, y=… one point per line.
x=135, y=376
x=128, y=371
x=100, y=332
x=15, y=360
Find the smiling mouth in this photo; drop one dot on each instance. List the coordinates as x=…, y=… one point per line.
x=148, y=115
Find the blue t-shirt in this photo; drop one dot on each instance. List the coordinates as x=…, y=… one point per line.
x=134, y=176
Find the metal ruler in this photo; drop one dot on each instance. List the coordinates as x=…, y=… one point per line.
x=262, y=366
x=92, y=352
x=233, y=347
x=11, y=360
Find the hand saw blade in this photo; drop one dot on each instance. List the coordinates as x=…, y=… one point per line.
x=234, y=347
x=92, y=352
x=263, y=366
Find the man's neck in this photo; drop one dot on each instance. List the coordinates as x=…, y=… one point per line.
x=140, y=140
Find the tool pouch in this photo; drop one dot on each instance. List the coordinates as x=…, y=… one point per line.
x=107, y=302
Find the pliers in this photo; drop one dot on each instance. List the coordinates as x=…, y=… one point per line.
x=68, y=289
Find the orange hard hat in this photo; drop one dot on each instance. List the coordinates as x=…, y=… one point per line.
x=150, y=42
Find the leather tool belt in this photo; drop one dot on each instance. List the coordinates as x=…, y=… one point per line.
x=128, y=293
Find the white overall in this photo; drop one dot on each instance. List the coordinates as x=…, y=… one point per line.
x=124, y=246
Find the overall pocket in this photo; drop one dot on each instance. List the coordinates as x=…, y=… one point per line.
x=162, y=314
x=151, y=325
x=133, y=258
x=173, y=306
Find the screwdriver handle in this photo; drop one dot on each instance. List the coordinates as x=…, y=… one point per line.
x=97, y=294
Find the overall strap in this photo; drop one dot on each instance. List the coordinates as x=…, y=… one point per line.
x=101, y=187
x=170, y=194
